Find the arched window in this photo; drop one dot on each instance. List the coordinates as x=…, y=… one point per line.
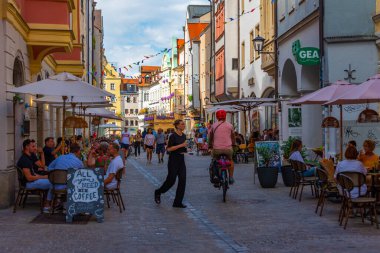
x=18, y=73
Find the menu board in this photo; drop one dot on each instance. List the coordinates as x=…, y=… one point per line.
x=85, y=193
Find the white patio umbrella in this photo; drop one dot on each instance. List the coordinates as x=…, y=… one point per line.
x=64, y=85
x=72, y=99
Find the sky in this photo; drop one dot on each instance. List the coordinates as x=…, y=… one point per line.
x=135, y=28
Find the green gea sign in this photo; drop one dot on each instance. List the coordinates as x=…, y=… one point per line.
x=305, y=55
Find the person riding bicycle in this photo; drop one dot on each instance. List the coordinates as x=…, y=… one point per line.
x=221, y=140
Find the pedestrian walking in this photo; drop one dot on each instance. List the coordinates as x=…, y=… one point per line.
x=160, y=145
x=149, y=145
x=137, y=143
x=176, y=166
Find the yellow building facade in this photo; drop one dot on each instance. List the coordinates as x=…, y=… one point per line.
x=111, y=83
x=267, y=31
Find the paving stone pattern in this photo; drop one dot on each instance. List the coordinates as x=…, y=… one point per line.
x=252, y=220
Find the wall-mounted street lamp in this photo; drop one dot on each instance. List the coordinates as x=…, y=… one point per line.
x=258, y=43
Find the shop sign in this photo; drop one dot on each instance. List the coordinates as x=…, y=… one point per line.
x=305, y=55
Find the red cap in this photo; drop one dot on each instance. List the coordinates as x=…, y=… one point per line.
x=221, y=114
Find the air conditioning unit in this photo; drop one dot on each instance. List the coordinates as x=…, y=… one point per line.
x=251, y=81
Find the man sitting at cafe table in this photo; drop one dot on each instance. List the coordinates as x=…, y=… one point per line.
x=33, y=168
x=116, y=164
x=50, y=151
x=65, y=162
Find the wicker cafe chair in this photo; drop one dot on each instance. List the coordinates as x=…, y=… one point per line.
x=325, y=187
x=301, y=180
x=58, y=177
x=242, y=153
x=115, y=193
x=296, y=179
x=348, y=181
x=23, y=192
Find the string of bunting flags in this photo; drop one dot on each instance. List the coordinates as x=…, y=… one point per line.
x=167, y=50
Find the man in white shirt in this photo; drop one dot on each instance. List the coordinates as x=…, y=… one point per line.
x=115, y=165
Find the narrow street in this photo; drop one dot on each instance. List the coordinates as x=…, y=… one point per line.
x=252, y=220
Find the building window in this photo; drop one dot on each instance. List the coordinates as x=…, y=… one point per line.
x=132, y=122
x=128, y=99
x=136, y=123
x=242, y=55
x=104, y=86
x=235, y=63
x=127, y=123
x=134, y=99
x=257, y=33
x=146, y=97
x=126, y=111
x=219, y=17
x=136, y=111
x=112, y=86
x=251, y=47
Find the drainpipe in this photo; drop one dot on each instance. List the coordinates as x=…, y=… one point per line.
x=326, y=110
x=238, y=46
x=212, y=54
x=276, y=69
x=184, y=69
x=239, y=71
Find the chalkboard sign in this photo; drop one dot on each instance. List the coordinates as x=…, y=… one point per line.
x=85, y=193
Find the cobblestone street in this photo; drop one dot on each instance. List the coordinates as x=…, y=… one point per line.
x=252, y=220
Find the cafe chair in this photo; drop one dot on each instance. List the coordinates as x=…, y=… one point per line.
x=325, y=187
x=348, y=181
x=23, y=192
x=242, y=154
x=58, y=177
x=115, y=193
x=301, y=180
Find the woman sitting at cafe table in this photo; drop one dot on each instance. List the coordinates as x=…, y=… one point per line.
x=98, y=157
x=295, y=155
x=367, y=156
x=352, y=165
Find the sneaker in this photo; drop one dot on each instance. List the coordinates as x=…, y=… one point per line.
x=46, y=209
x=231, y=180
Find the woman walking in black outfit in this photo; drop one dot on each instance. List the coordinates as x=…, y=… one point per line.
x=176, y=165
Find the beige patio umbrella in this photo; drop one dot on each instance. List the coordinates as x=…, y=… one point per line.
x=324, y=95
x=64, y=85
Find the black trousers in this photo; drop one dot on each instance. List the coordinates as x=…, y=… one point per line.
x=176, y=167
x=137, y=146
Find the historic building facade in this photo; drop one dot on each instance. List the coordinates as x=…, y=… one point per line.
x=37, y=40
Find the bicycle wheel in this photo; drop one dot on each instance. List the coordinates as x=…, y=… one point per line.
x=224, y=184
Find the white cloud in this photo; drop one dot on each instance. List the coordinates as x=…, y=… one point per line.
x=135, y=28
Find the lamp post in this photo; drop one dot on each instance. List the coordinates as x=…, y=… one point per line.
x=206, y=100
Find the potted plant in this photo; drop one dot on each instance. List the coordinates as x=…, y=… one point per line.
x=268, y=173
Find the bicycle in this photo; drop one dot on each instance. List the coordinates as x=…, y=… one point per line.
x=219, y=174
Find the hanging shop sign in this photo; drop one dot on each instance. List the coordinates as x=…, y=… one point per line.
x=305, y=55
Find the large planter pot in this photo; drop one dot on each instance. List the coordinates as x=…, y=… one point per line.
x=287, y=175
x=267, y=176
